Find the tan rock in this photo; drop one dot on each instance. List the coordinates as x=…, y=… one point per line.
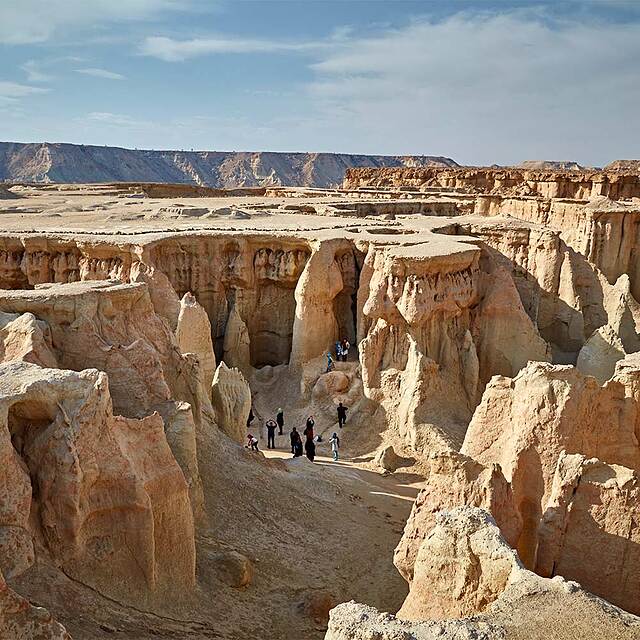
x=23, y=337
x=462, y=566
x=163, y=296
x=231, y=399
x=590, y=530
x=237, y=350
x=112, y=503
x=523, y=424
x=454, y=480
x=315, y=328
x=193, y=334
x=20, y=620
x=388, y=460
x=233, y=568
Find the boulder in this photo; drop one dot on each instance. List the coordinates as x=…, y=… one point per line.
x=233, y=568
x=461, y=567
x=387, y=459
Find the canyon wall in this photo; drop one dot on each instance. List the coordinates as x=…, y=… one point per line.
x=548, y=184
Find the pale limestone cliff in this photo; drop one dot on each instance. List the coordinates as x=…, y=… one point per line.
x=193, y=334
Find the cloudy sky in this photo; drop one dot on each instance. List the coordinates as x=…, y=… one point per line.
x=481, y=82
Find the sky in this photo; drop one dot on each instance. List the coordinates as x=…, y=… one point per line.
x=481, y=82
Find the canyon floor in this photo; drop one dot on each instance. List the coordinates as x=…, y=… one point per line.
x=487, y=484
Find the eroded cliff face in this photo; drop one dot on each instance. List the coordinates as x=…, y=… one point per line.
x=577, y=185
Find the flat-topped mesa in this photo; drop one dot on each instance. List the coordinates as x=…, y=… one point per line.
x=549, y=184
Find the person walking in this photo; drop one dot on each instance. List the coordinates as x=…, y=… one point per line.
x=330, y=364
x=344, y=350
x=280, y=420
x=271, y=434
x=334, y=441
x=338, y=350
x=342, y=414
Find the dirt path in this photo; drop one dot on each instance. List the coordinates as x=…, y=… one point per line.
x=393, y=493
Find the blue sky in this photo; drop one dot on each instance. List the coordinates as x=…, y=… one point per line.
x=481, y=82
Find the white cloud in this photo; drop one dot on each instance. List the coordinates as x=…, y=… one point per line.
x=30, y=21
x=487, y=88
x=172, y=50
x=117, y=120
x=12, y=91
x=100, y=73
x=34, y=72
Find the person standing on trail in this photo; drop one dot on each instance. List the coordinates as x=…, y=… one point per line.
x=344, y=349
x=280, y=420
x=294, y=436
x=308, y=430
x=335, y=445
x=250, y=417
x=297, y=446
x=310, y=448
x=342, y=414
x=338, y=350
x=271, y=434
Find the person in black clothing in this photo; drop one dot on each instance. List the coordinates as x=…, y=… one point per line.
x=310, y=448
x=294, y=437
x=297, y=449
x=308, y=430
x=280, y=420
x=271, y=434
x=342, y=415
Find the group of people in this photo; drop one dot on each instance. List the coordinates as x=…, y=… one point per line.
x=295, y=437
x=342, y=353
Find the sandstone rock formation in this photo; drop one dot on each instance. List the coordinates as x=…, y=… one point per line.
x=113, y=506
x=193, y=334
x=465, y=568
x=457, y=290
x=20, y=620
x=455, y=480
x=526, y=423
x=231, y=399
x=593, y=512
